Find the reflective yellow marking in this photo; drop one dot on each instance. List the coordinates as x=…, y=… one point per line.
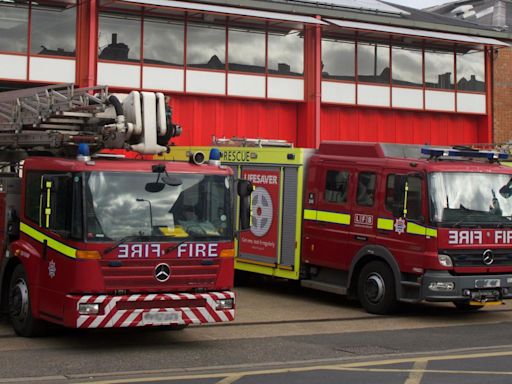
x=328, y=217
x=386, y=224
x=431, y=232
x=416, y=229
x=331, y=217
x=412, y=228
x=48, y=210
x=309, y=214
x=52, y=243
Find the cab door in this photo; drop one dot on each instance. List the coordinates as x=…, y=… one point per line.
x=364, y=209
x=327, y=215
x=401, y=222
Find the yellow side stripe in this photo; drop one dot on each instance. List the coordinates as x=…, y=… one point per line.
x=412, y=228
x=52, y=243
x=386, y=224
x=328, y=217
x=331, y=217
x=416, y=229
x=309, y=214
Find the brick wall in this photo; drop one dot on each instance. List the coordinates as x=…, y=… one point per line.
x=502, y=91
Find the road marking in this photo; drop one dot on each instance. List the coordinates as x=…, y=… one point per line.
x=230, y=379
x=363, y=366
x=416, y=374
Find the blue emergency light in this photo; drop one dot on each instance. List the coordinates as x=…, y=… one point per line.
x=473, y=153
x=214, y=156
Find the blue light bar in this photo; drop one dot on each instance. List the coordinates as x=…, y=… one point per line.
x=448, y=152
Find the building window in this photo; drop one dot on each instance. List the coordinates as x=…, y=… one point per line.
x=439, y=68
x=119, y=37
x=471, y=71
x=246, y=51
x=373, y=63
x=13, y=28
x=336, y=186
x=286, y=52
x=407, y=66
x=338, y=59
x=164, y=41
x=53, y=30
x=206, y=46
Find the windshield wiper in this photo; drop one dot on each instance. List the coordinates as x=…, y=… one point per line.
x=185, y=240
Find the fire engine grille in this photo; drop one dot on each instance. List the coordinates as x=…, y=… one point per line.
x=475, y=258
x=140, y=274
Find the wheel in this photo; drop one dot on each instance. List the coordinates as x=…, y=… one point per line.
x=376, y=288
x=464, y=305
x=20, y=312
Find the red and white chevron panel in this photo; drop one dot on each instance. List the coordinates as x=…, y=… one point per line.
x=112, y=316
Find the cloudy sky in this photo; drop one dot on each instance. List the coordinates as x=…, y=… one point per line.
x=419, y=3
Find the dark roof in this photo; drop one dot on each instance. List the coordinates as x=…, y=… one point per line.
x=492, y=14
x=411, y=18
x=422, y=15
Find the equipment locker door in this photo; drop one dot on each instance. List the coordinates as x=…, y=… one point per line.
x=261, y=243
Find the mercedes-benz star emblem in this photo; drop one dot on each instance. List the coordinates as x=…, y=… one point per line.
x=162, y=272
x=488, y=257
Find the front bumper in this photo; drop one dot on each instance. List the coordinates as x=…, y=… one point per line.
x=140, y=310
x=477, y=288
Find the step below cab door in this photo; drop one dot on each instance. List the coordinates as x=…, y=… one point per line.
x=327, y=215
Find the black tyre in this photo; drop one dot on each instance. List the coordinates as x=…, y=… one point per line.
x=20, y=311
x=376, y=288
x=463, y=305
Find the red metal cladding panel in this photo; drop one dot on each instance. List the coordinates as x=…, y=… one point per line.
x=202, y=117
x=417, y=127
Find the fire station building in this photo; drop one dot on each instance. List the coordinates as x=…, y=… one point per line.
x=297, y=70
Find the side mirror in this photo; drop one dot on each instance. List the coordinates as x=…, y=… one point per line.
x=506, y=190
x=245, y=189
x=154, y=187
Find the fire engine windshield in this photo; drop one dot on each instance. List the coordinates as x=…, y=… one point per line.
x=471, y=199
x=119, y=205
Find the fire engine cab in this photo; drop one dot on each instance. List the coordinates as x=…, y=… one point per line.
x=99, y=241
x=385, y=223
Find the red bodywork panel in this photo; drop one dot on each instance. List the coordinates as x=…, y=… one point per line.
x=414, y=253
x=58, y=280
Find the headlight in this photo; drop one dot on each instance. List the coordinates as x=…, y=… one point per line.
x=441, y=286
x=445, y=260
x=225, y=304
x=88, y=309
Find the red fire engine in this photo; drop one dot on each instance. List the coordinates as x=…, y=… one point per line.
x=381, y=222
x=98, y=242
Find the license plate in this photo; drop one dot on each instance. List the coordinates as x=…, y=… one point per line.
x=155, y=318
x=488, y=283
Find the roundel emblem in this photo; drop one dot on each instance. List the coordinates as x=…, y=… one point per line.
x=488, y=257
x=162, y=272
x=262, y=212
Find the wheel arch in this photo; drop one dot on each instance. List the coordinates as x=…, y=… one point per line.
x=7, y=270
x=364, y=256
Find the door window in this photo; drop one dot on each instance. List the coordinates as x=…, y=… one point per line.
x=366, y=182
x=336, y=186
